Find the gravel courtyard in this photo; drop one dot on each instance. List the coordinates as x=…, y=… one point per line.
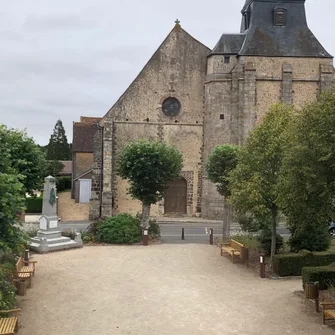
x=160, y=289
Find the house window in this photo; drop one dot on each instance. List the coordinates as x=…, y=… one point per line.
x=226, y=59
x=221, y=116
x=280, y=17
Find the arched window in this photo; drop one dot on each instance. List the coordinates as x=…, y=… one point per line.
x=280, y=17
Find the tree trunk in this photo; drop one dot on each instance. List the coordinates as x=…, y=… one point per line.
x=274, y=232
x=145, y=215
x=226, y=220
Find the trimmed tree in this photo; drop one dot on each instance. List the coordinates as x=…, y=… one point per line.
x=307, y=184
x=24, y=158
x=254, y=182
x=58, y=147
x=221, y=162
x=149, y=166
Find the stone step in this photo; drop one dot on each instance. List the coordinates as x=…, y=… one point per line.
x=61, y=239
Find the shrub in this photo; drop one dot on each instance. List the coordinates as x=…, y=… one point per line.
x=154, y=230
x=7, y=290
x=264, y=240
x=292, y=264
x=63, y=183
x=248, y=240
x=312, y=237
x=34, y=205
x=120, y=229
x=325, y=275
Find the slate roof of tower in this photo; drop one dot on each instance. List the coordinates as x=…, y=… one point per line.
x=229, y=44
x=263, y=38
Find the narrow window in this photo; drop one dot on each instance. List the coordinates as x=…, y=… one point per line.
x=226, y=59
x=221, y=116
x=280, y=17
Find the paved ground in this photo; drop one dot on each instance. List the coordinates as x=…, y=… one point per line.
x=161, y=289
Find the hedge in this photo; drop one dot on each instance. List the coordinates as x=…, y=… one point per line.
x=291, y=264
x=325, y=275
x=34, y=205
x=63, y=183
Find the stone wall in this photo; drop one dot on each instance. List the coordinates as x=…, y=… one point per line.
x=177, y=69
x=239, y=94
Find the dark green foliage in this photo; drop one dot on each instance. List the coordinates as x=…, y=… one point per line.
x=7, y=290
x=58, y=147
x=291, y=264
x=265, y=239
x=63, y=183
x=34, y=204
x=12, y=237
x=313, y=237
x=22, y=157
x=221, y=161
x=53, y=168
x=325, y=275
x=120, y=229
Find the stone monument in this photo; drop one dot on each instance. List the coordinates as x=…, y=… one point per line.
x=49, y=237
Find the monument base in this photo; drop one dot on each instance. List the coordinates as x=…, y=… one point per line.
x=47, y=241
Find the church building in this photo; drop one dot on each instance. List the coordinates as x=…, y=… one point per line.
x=194, y=98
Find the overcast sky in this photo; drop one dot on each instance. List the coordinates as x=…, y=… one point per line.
x=66, y=58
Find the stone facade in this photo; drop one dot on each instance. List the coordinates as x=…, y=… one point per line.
x=223, y=94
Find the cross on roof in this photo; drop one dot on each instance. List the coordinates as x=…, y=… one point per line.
x=177, y=21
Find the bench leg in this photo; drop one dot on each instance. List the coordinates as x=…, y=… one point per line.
x=323, y=318
x=221, y=250
x=233, y=257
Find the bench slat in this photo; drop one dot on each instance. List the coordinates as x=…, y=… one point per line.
x=7, y=325
x=330, y=313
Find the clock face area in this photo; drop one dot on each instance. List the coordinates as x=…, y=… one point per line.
x=171, y=106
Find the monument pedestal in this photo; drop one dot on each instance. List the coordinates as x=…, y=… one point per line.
x=49, y=237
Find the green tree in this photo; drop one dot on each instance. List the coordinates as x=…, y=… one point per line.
x=307, y=183
x=58, y=147
x=221, y=162
x=149, y=166
x=12, y=238
x=254, y=182
x=53, y=168
x=21, y=155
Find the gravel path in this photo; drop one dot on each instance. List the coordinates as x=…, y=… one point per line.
x=160, y=289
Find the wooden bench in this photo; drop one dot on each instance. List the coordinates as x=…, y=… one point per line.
x=233, y=248
x=25, y=272
x=328, y=311
x=8, y=325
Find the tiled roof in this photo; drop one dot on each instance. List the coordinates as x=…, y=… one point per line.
x=83, y=136
x=67, y=169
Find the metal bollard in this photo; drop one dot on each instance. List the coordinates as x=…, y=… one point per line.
x=145, y=237
x=183, y=233
x=262, y=265
x=26, y=257
x=211, y=236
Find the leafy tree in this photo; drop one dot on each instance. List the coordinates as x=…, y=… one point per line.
x=307, y=183
x=148, y=166
x=58, y=147
x=53, y=168
x=221, y=161
x=12, y=202
x=254, y=182
x=20, y=155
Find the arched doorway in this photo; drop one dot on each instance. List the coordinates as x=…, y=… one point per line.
x=175, y=200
